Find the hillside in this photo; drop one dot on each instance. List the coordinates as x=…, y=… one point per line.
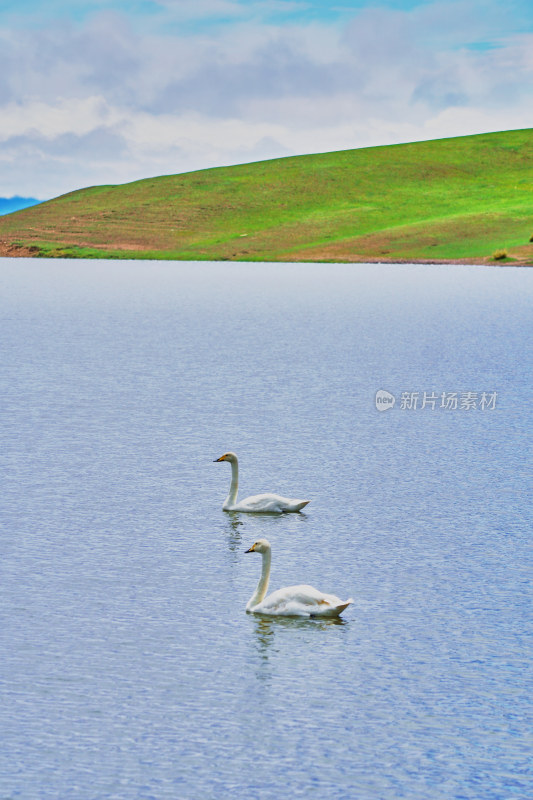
x=450, y=199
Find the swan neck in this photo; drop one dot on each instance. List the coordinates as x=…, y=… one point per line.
x=262, y=587
x=231, y=499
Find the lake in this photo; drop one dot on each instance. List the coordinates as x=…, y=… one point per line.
x=130, y=669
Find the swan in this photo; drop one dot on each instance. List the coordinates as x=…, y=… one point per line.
x=258, y=503
x=293, y=601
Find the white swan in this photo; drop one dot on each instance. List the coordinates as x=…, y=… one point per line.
x=258, y=503
x=293, y=601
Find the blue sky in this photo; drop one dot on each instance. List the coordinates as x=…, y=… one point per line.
x=110, y=91
x=30, y=12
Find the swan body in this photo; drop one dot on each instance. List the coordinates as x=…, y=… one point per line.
x=257, y=503
x=292, y=601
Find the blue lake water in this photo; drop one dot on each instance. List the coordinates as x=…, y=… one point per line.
x=129, y=667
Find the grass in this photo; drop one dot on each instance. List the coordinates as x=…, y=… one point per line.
x=450, y=199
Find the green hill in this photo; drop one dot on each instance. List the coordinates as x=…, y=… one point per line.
x=450, y=199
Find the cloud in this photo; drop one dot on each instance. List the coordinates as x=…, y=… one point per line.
x=97, y=101
x=107, y=144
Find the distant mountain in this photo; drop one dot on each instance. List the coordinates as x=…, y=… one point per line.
x=9, y=204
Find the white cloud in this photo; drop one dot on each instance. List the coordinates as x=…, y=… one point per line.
x=99, y=103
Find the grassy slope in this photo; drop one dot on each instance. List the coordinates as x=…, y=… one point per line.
x=460, y=198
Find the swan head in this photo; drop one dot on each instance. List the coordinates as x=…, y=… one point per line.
x=231, y=457
x=260, y=546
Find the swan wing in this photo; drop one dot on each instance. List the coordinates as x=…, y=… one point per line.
x=269, y=503
x=302, y=601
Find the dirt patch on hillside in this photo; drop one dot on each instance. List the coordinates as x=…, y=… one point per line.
x=13, y=250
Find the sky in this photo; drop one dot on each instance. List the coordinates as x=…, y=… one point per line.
x=111, y=91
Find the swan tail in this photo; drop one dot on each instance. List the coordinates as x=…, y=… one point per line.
x=340, y=608
x=298, y=506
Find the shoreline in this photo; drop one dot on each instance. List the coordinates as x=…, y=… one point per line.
x=8, y=250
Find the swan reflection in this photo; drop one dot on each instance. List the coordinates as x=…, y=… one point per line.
x=267, y=629
x=267, y=626
x=233, y=523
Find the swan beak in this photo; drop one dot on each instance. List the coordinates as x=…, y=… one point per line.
x=251, y=550
x=218, y=459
